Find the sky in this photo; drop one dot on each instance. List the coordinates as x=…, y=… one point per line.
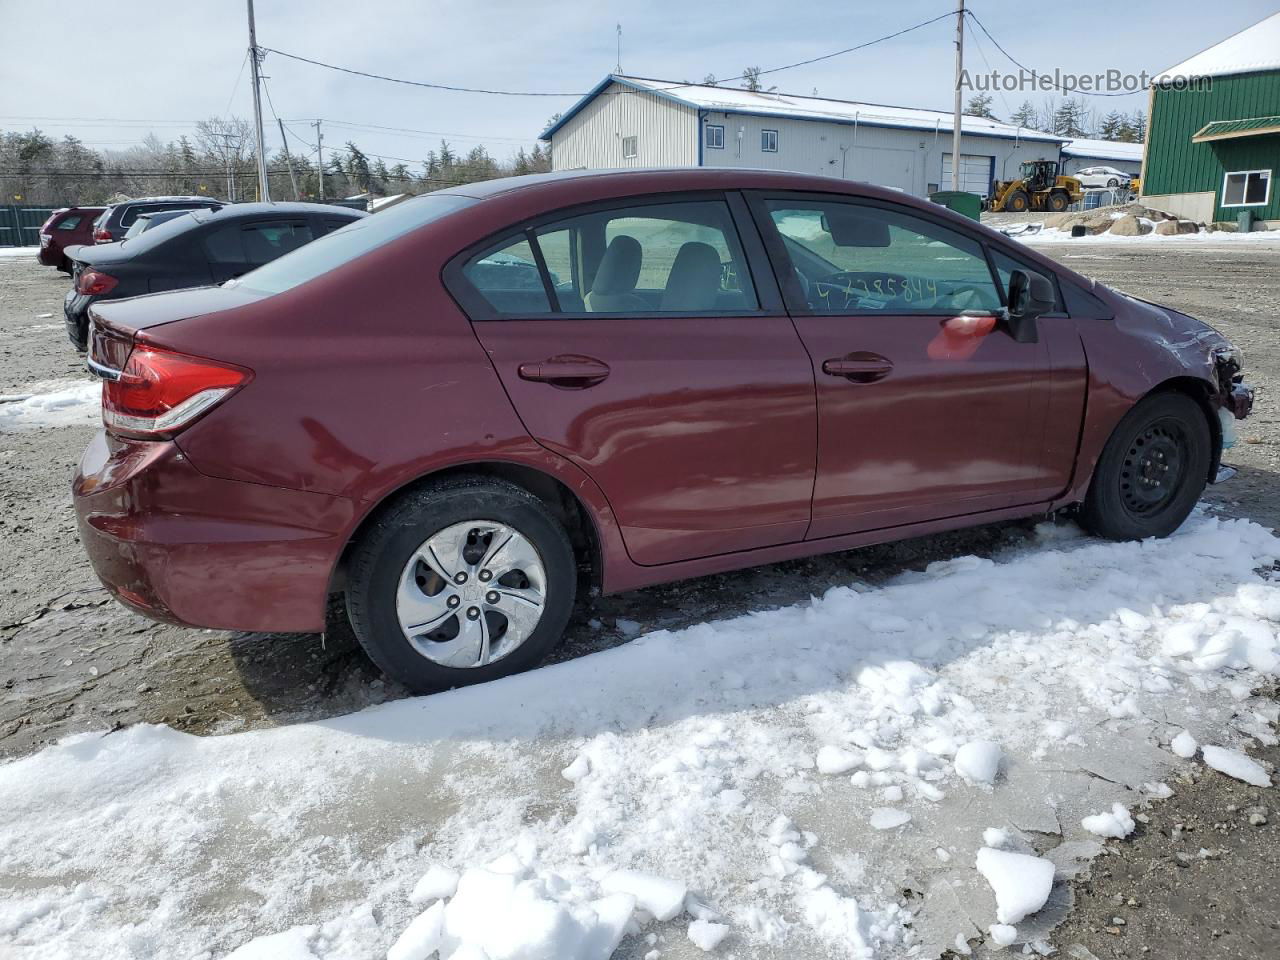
x=160, y=65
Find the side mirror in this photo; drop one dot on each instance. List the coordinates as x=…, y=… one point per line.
x=1030, y=296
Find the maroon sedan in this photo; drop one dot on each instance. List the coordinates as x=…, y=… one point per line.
x=459, y=409
x=66, y=227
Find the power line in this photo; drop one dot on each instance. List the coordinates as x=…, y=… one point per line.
x=236, y=85
x=1088, y=93
x=455, y=88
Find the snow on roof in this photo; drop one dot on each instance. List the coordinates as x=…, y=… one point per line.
x=1103, y=149
x=1252, y=49
x=734, y=100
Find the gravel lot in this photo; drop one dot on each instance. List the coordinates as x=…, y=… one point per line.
x=77, y=661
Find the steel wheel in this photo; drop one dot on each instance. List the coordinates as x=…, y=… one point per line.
x=1153, y=468
x=471, y=594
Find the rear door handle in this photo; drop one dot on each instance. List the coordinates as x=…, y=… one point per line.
x=565, y=371
x=859, y=367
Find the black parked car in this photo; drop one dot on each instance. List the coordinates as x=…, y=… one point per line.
x=112, y=224
x=204, y=247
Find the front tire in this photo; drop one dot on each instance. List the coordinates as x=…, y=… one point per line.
x=1152, y=470
x=461, y=582
x=1019, y=202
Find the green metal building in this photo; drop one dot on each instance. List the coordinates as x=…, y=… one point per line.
x=1213, y=141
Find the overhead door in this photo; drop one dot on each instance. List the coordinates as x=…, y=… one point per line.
x=976, y=173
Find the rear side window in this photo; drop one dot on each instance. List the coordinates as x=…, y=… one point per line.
x=265, y=241
x=507, y=277
x=679, y=259
x=69, y=223
x=225, y=245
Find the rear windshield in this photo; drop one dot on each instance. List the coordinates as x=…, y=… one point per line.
x=354, y=240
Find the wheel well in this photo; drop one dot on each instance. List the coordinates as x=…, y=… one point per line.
x=562, y=502
x=1199, y=391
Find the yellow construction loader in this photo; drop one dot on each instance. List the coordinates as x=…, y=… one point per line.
x=1040, y=187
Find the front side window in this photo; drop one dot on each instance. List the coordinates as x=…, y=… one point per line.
x=715, y=136
x=677, y=258
x=630, y=147
x=851, y=258
x=769, y=141
x=1246, y=188
x=507, y=277
x=1005, y=265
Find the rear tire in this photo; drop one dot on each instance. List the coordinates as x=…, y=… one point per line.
x=1152, y=470
x=386, y=562
x=1058, y=202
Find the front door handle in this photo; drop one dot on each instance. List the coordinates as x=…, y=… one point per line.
x=565, y=371
x=859, y=367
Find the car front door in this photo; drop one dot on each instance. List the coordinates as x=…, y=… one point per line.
x=927, y=406
x=646, y=342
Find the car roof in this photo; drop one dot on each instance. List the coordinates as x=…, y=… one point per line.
x=285, y=208
x=174, y=199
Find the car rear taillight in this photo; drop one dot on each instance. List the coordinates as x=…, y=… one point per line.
x=94, y=282
x=159, y=392
x=102, y=235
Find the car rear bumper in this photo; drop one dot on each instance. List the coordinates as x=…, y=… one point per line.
x=185, y=548
x=75, y=310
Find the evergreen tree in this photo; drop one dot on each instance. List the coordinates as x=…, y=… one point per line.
x=1025, y=116
x=1109, y=129
x=357, y=168
x=980, y=106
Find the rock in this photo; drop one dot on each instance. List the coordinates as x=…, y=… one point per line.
x=1172, y=228
x=1093, y=223
x=1257, y=820
x=1130, y=226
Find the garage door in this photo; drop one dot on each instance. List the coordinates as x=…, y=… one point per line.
x=975, y=173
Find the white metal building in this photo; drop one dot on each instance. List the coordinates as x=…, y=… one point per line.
x=638, y=122
x=1080, y=153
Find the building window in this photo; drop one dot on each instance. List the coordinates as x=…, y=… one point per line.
x=1246, y=188
x=715, y=137
x=630, y=148
x=769, y=141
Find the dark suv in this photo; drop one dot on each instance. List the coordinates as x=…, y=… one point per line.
x=66, y=227
x=115, y=221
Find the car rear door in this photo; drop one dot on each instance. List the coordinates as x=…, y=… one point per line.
x=645, y=340
x=927, y=406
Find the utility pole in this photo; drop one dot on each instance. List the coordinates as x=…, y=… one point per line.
x=319, y=156
x=288, y=160
x=618, y=69
x=264, y=190
x=955, y=136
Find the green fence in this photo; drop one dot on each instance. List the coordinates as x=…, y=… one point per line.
x=20, y=225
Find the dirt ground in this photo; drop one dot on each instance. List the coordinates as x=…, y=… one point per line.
x=75, y=661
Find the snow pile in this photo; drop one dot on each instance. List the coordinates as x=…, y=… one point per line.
x=1235, y=764
x=1022, y=883
x=1117, y=823
x=774, y=780
x=19, y=253
x=54, y=403
x=978, y=762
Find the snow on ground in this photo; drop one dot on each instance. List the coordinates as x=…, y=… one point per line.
x=52, y=403
x=16, y=253
x=1265, y=238
x=716, y=788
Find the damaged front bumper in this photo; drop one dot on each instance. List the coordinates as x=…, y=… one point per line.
x=1235, y=399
